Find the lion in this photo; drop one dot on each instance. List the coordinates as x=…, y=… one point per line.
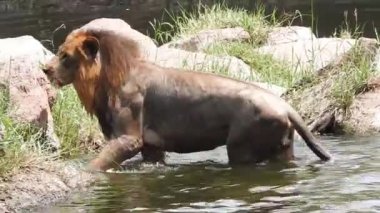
x=143, y=107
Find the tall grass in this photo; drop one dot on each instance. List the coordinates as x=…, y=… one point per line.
x=352, y=77
x=78, y=132
x=211, y=17
x=268, y=69
x=256, y=23
x=21, y=145
x=24, y=145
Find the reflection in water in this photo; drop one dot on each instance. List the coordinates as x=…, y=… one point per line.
x=201, y=182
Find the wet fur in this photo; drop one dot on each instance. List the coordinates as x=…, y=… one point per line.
x=144, y=107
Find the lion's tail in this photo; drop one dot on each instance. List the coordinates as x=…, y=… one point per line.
x=308, y=137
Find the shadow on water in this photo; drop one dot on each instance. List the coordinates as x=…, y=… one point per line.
x=203, y=182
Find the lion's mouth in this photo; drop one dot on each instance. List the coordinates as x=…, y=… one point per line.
x=56, y=82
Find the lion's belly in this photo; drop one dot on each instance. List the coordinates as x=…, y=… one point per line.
x=188, y=120
x=188, y=133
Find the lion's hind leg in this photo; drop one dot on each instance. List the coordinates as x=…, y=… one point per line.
x=268, y=138
x=239, y=146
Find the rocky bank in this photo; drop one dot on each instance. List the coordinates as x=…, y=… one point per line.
x=32, y=96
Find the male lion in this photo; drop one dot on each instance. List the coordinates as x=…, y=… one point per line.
x=144, y=107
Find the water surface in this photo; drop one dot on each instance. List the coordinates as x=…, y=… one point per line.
x=40, y=18
x=203, y=182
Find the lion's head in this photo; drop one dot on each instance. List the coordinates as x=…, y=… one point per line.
x=91, y=60
x=75, y=60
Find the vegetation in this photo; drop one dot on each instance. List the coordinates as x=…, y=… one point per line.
x=256, y=23
x=212, y=17
x=352, y=77
x=336, y=88
x=24, y=146
x=268, y=69
x=78, y=132
x=21, y=145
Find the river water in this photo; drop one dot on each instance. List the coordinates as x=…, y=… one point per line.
x=40, y=18
x=203, y=182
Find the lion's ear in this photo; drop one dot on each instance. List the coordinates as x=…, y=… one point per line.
x=90, y=47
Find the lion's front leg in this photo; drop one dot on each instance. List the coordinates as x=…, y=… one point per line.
x=152, y=154
x=116, y=151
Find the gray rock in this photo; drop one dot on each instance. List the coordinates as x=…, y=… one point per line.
x=176, y=58
x=288, y=34
x=30, y=92
x=121, y=27
x=205, y=38
x=277, y=90
x=309, y=55
x=228, y=65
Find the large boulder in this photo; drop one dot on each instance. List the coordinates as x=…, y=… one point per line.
x=205, y=38
x=121, y=27
x=365, y=110
x=326, y=109
x=30, y=92
x=176, y=58
x=311, y=55
x=288, y=34
x=228, y=65
x=277, y=90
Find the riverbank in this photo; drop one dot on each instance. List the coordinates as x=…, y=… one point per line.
x=326, y=79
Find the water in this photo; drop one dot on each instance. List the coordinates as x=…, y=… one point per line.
x=203, y=182
x=40, y=18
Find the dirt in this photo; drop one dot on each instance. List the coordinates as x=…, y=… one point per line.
x=43, y=185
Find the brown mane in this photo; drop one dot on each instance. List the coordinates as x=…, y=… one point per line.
x=116, y=57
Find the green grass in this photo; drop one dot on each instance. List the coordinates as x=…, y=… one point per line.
x=268, y=69
x=256, y=23
x=352, y=78
x=22, y=145
x=78, y=132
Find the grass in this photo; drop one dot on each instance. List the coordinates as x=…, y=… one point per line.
x=256, y=23
x=352, y=78
x=268, y=69
x=78, y=132
x=22, y=145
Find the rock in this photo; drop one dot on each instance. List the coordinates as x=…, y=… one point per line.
x=377, y=61
x=277, y=90
x=311, y=55
x=365, y=110
x=176, y=58
x=280, y=35
x=317, y=102
x=41, y=185
x=170, y=57
x=123, y=28
x=205, y=38
x=30, y=92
